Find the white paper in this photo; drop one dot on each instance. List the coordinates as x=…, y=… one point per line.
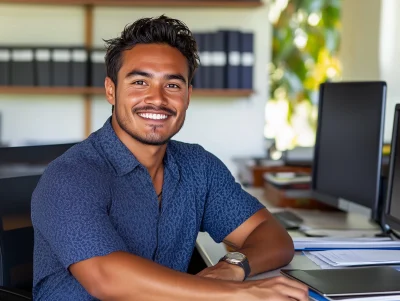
x=322, y=264
x=340, y=258
x=304, y=243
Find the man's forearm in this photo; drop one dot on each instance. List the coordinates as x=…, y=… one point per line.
x=128, y=277
x=268, y=247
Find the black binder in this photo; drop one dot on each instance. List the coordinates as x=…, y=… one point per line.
x=5, y=57
x=218, y=60
x=61, y=67
x=79, y=67
x=22, y=70
x=43, y=67
x=247, y=60
x=98, y=67
x=198, y=77
x=234, y=58
x=207, y=60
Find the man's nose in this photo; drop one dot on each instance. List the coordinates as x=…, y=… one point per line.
x=156, y=96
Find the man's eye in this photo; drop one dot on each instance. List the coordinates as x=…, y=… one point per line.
x=172, y=86
x=139, y=82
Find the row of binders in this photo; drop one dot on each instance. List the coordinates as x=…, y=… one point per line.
x=52, y=66
x=226, y=60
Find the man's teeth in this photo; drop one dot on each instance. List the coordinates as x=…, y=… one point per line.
x=153, y=116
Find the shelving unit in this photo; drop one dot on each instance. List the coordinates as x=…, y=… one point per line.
x=100, y=91
x=89, y=92
x=144, y=3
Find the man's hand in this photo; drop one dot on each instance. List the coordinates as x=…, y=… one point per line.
x=223, y=271
x=274, y=289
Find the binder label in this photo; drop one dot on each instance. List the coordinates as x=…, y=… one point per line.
x=61, y=55
x=25, y=55
x=234, y=58
x=42, y=55
x=205, y=58
x=4, y=55
x=79, y=55
x=247, y=59
x=219, y=58
x=98, y=56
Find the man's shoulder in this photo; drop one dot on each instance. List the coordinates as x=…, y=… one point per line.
x=194, y=155
x=189, y=153
x=80, y=159
x=187, y=149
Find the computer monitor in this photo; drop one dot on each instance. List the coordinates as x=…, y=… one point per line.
x=392, y=204
x=348, y=148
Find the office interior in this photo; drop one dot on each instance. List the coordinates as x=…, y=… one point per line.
x=37, y=126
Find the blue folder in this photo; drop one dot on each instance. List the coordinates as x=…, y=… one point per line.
x=317, y=297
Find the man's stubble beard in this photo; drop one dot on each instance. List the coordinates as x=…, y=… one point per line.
x=151, y=139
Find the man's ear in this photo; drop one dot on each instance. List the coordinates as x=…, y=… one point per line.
x=190, y=90
x=110, y=90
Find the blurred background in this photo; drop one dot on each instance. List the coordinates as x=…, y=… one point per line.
x=257, y=87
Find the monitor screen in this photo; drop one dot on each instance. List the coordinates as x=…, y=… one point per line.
x=348, y=149
x=392, y=212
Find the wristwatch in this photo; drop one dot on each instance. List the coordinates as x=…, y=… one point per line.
x=239, y=259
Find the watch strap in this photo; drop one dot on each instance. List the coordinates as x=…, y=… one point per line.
x=244, y=264
x=246, y=267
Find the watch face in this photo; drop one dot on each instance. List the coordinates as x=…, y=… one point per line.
x=235, y=256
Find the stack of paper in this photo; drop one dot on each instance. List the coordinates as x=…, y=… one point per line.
x=324, y=243
x=347, y=258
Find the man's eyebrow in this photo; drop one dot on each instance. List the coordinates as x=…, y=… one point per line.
x=136, y=72
x=177, y=76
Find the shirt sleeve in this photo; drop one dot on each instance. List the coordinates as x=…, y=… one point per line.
x=69, y=209
x=227, y=205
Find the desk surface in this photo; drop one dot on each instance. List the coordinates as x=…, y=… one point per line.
x=211, y=252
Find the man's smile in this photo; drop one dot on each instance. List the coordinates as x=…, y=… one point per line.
x=153, y=116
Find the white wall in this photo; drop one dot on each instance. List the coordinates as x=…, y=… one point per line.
x=359, y=49
x=226, y=126
x=389, y=58
x=370, y=48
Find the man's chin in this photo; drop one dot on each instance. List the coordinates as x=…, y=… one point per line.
x=153, y=141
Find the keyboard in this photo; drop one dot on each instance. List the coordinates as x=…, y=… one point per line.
x=288, y=219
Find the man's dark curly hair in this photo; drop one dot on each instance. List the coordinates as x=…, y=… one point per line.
x=161, y=30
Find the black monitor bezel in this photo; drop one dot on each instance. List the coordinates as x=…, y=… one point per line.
x=389, y=220
x=335, y=200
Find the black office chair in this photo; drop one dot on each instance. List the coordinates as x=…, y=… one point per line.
x=16, y=258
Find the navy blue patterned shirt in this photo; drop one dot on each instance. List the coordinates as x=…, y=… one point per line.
x=97, y=198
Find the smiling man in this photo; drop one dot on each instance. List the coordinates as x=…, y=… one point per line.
x=116, y=217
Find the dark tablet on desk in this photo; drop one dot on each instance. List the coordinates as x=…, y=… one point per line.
x=350, y=281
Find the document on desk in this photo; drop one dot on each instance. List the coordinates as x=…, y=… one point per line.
x=359, y=257
x=317, y=297
x=347, y=258
x=325, y=243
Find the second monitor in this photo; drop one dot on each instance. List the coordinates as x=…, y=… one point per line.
x=348, y=148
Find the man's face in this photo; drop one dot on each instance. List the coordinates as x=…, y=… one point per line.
x=152, y=93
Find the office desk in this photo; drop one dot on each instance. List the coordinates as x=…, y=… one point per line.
x=211, y=252
x=318, y=219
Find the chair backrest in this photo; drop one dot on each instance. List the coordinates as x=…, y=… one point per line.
x=16, y=252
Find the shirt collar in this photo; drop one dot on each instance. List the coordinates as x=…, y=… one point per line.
x=121, y=158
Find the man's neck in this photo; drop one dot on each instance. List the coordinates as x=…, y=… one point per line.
x=150, y=156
